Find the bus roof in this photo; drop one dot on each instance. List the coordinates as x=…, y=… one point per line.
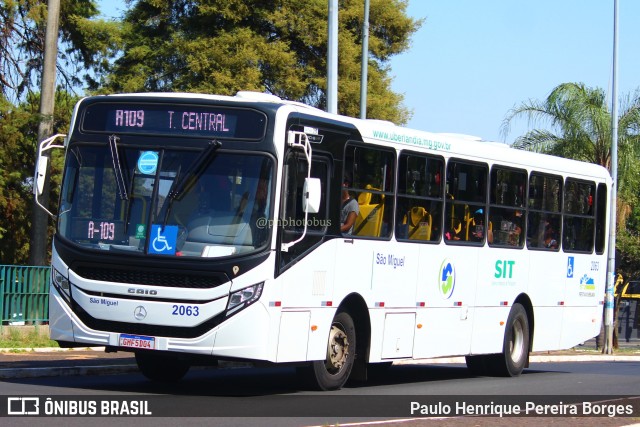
x=386, y=133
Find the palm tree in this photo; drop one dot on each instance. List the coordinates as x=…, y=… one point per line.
x=580, y=128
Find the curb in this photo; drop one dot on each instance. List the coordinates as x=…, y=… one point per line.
x=66, y=371
x=534, y=358
x=48, y=349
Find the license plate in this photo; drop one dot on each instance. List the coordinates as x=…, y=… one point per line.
x=137, y=341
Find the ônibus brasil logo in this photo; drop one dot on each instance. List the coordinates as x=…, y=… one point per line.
x=447, y=279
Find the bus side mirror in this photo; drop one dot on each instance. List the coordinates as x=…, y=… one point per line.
x=41, y=175
x=311, y=192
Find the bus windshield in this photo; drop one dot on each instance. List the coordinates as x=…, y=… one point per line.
x=154, y=201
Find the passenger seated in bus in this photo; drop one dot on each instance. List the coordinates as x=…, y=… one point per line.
x=550, y=237
x=349, y=211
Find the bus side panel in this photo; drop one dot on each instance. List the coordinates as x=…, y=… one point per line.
x=546, y=334
x=309, y=282
x=306, y=286
x=585, y=285
x=547, y=292
x=502, y=276
x=384, y=273
x=438, y=335
x=446, y=286
x=398, y=335
x=294, y=336
x=317, y=339
x=488, y=329
x=394, y=272
x=576, y=328
x=584, y=280
x=377, y=317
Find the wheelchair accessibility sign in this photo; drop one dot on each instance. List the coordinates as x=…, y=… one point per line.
x=570, y=266
x=163, y=239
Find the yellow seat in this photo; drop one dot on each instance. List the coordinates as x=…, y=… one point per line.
x=419, y=223
x=469, y=222
x=369, y=220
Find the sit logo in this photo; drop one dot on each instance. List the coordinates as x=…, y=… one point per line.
x=504, y=269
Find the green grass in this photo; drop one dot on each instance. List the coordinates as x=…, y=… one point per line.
x=25, y=337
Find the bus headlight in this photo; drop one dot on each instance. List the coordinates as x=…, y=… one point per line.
x=244, y=298
x=61, y=283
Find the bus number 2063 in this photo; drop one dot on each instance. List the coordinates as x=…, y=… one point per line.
x=185, y=310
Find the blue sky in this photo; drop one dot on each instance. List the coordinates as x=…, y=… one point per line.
x=472, y=60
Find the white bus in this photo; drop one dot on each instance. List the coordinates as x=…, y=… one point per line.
x=197, y=227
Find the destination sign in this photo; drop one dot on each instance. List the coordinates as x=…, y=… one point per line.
x=179, y=120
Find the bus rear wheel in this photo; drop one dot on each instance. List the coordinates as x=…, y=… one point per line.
x=161, y=367
x=333, y=372
x=515, y=349
x=515, y=352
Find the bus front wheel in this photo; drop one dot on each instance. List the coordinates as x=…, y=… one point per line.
x=161, y=367
x=333, y=372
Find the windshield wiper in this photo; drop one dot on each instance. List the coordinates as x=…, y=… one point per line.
x=117, y=167
x=183, y=182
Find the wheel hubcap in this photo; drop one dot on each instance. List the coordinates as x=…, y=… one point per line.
x=517, y=341
x=337, y=350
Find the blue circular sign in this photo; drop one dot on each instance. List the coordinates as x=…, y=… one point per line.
x=148, y=162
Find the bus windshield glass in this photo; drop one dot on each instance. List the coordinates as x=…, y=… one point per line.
x=153, y=201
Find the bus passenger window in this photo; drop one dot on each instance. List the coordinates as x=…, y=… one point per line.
x=466, y=200
x=420, y=192
x=579, y=217
x=371, y=172
x=507, y=216
x=544, y=218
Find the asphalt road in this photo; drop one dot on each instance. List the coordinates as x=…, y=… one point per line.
x=31, y=363
x=276, y=397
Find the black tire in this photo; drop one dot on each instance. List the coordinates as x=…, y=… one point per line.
x=160, y=367
x=333, y=372
x=515, y=348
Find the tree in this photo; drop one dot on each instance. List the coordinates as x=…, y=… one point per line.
x=85, y=48
x=19, y=126
x=84, y=44
x=580, y=124
x=580, y=128
x=279, y=47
